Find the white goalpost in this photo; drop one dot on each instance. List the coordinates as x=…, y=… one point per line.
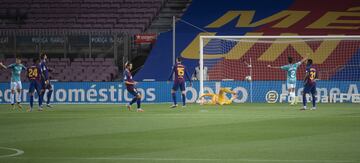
x=241, y=62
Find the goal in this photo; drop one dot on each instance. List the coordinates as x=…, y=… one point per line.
x=241, y=63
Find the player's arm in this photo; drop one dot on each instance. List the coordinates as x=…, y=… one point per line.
x=23, y=67
x=172, y=72
x=269, y=66
x=127, y=79
x=303, y=60
x=40, y=72
x=2, y=65
x=130, y=83
x=306, y=75
x=10, y=66
x=44, y=73
x=317, y=75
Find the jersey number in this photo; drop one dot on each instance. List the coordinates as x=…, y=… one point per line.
x=312, y=75
x=293, y=74
x=33, y=73
x=180, y=71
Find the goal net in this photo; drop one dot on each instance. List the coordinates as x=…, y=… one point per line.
x=241, y=63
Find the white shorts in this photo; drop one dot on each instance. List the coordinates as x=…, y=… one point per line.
x=16, y=85
x=289, y=86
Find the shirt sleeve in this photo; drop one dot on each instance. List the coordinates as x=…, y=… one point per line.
x=285, y=67
x=125, y=75
x=44, y=71
x=23, y=67
x=11, y=66
x=40, y=71
x=172, y=71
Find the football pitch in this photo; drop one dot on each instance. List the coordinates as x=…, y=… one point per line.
x=234, y=133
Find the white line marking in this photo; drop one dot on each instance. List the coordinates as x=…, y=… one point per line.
x=18, y=152
x=185, y=159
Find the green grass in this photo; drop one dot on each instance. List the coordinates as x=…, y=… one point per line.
x=235, y=133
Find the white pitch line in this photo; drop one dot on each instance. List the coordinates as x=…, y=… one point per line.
x=18, y=152
x=185, y=159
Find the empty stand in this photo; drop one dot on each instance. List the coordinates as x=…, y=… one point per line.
x=129, y=16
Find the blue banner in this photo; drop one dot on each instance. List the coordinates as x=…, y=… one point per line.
x=256, y=17
x=159, y=92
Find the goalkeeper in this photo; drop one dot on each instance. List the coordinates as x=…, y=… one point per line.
x=220, y=98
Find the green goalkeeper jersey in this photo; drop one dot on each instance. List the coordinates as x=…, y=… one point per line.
x=16, y=71
x=291, y=72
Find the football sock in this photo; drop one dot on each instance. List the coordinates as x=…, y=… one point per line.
x=49, y=96
x=40, y=100
x=133, y=100
x=313, y=100
x=138, y=102
x=183, y=99
x=174, y=98
x=31, y=101
x=18, y=97
x=292, y=95
x=12, y=96
x=304, y=99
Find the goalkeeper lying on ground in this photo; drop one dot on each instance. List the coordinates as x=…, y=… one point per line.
x=220, y=98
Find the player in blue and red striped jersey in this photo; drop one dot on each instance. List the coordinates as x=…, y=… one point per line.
x=130, y=86
x=34, y=75
x=45, y=82
x=180, y=71
x=310, y=84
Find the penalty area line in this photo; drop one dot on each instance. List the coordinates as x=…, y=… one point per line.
x=18, y=152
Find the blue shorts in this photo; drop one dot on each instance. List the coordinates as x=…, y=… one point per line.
x=178, y=84
x=34, y=85
x=133, y=91
x=45, y=86
x=310, y=88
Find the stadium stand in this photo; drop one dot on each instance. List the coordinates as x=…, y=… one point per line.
x=128, y=16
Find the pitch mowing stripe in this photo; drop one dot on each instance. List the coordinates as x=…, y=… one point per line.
x=18, y=152
x=182, y=159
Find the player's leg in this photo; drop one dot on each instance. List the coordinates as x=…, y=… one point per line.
x=48, y=95
x=304, y=101
x=305, y=91
x=173, y=94
x=222, y=99
x=288, y=85
x=133, y=92
x=182, y=88
x=227, y=102
x=227, y=90
x=313, y=94
x=39, y=91
x=293, y=94
x=31, y=96
x=138, y=102
x=12, y=95
x=18, y=94
x=43, y=90
x=291, y=90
